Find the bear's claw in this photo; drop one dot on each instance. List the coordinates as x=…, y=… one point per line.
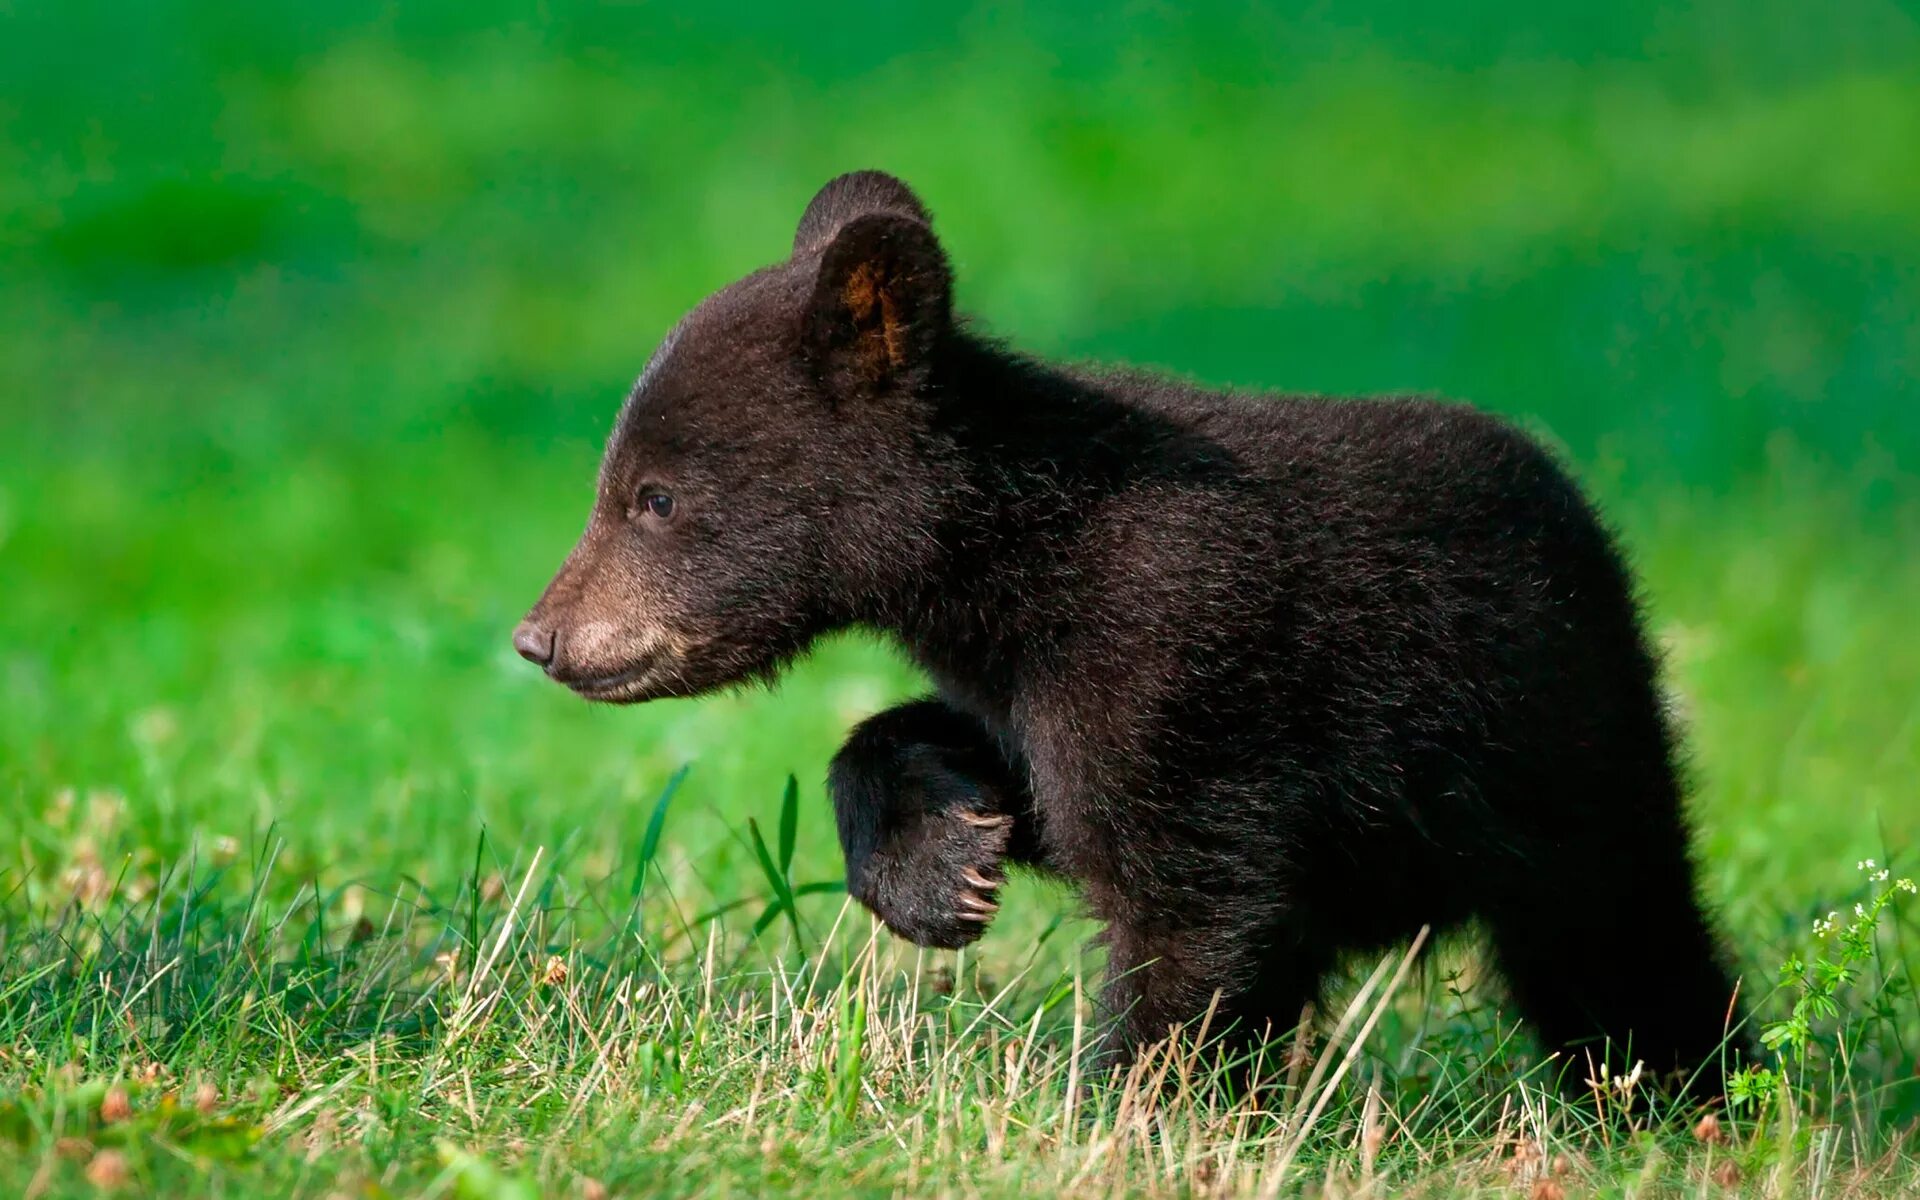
x=935, y=881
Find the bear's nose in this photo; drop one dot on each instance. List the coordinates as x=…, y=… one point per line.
x=534, y=643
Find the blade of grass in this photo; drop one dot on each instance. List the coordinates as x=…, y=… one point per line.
x=772, y=912
x=650, y=840
x=789, y=825
x=782, y=890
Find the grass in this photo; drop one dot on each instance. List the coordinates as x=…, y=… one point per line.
x=525, y=1034
x=314, y=322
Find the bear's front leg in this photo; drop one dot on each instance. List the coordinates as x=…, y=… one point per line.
x=929, y=813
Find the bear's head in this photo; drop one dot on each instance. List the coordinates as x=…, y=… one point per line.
x=769, y=473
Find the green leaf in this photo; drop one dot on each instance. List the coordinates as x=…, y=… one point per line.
x=781, y=889
x=772, y=912
x=650, y=841
x=789, y=824
x=1053, y=927
x=768, y=916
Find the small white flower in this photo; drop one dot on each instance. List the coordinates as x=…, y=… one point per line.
x=1859, y=910
x=1880, y=876
x=1865, y=864
x=1907, y=885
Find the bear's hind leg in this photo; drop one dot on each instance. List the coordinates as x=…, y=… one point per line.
x=928, y=813
x=1621, y=968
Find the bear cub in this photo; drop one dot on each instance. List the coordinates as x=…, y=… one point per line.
x=1269, y=678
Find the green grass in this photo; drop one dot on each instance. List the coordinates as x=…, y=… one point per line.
x=314, y=321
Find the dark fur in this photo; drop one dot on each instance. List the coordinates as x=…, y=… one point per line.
x=1270, y=678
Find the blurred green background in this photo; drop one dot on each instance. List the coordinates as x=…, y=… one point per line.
x=313, y=319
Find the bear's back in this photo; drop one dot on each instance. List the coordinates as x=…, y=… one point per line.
x=1372, y=469
x=1407, y=542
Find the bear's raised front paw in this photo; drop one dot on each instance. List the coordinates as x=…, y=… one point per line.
x=936, y=880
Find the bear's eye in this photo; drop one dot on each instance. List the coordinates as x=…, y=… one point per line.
x=657, y=504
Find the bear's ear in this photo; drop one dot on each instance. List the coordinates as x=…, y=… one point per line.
x=880, y=305
x=854, y=194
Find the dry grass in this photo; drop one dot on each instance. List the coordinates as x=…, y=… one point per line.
x=532, y=1037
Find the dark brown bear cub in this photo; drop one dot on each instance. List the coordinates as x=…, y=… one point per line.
x=1269, y=677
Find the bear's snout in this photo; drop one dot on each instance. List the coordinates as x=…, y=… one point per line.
x=534, y=642
x=615, y=662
